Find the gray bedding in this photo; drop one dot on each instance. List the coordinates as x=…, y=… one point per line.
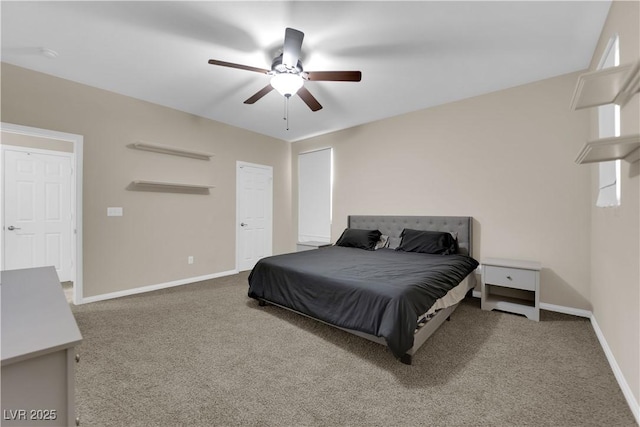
x=381, y=292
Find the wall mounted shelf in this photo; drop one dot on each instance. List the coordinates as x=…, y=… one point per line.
x=174, y=151
x=615, y=85
x=603, y=150
x=169, y=187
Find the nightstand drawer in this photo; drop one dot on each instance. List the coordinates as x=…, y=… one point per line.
x=510, y=277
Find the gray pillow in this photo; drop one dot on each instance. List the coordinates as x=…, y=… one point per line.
x=428, y=242
x=356, y=238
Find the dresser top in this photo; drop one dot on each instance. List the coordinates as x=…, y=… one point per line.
x=36, y=317
x=513, y=263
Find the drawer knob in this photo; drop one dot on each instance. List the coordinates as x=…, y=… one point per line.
x=509, y=277
x=77, y=358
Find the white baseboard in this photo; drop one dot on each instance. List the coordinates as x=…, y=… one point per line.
x=150, y=288
x=566, y=310
x=633, y=403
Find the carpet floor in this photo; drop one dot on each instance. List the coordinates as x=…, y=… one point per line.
x=207, y=355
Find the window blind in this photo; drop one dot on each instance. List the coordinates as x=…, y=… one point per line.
x=314, y=196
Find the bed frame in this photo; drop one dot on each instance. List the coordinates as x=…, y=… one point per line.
x=392, y=226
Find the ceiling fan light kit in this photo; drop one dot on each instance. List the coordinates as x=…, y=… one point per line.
x=287, y=73
x=287, y=84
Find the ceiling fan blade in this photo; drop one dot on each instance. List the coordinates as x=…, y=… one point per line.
x=259, y=94
x=292, y=47
x=240, y=66
x=309, y=99
x=334, y=76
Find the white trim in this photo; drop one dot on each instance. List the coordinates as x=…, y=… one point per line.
x=76, y=192
x=312, y=238
x=566, y=310
x=633, y=403
x=315, y=150
x=157, y=287
x=36, y=150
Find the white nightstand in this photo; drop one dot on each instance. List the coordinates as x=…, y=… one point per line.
x=511, y=285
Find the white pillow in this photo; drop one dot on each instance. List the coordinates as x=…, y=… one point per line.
x=382, y=243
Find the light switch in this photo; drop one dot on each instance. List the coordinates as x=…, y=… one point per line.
x=114, y=211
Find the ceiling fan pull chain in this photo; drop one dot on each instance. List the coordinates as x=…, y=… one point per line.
x=286, y=109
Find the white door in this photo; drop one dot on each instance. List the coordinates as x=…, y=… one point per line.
x=37, y=210
x=254, y=213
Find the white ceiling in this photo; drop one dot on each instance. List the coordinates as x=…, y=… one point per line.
x=412, y=55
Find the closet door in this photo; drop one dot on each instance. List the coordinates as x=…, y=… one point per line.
x=254, y=214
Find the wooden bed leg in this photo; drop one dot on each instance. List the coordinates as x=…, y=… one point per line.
x=406, y=359
x=261, y=303
x=449, y=319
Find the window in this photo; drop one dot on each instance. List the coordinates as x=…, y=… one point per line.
x=608, y=126
x=314, y=196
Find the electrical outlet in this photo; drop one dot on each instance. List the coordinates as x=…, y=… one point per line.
x=190, y=259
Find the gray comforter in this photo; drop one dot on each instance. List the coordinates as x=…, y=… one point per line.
x=381, y=292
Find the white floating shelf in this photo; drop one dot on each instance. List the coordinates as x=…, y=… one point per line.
x=603, y=150
x=169, y=187
x=614, y=85
x=174, y=151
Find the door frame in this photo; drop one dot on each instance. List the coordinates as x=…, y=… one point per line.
x=76, y=194
x=239, y=165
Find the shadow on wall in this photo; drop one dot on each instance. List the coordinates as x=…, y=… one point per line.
x=476, y=239
x=166, y=187
x=634, y=170
x=564, y=294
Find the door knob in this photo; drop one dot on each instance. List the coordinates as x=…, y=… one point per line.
x=242, y=224
x=11, y=228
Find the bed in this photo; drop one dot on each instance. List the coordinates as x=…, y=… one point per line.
x=396, y=297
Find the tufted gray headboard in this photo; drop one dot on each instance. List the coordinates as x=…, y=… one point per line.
x=392, y=225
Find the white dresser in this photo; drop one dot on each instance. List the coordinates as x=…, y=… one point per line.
x=39, y=335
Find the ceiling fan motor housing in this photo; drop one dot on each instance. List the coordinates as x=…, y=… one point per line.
x=278, y=67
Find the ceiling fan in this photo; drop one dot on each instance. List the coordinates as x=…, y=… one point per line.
x=287, y=73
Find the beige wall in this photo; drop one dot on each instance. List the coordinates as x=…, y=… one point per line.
x=615, y=232
x=150, y=244
x=506, y=159
x=31, y=141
